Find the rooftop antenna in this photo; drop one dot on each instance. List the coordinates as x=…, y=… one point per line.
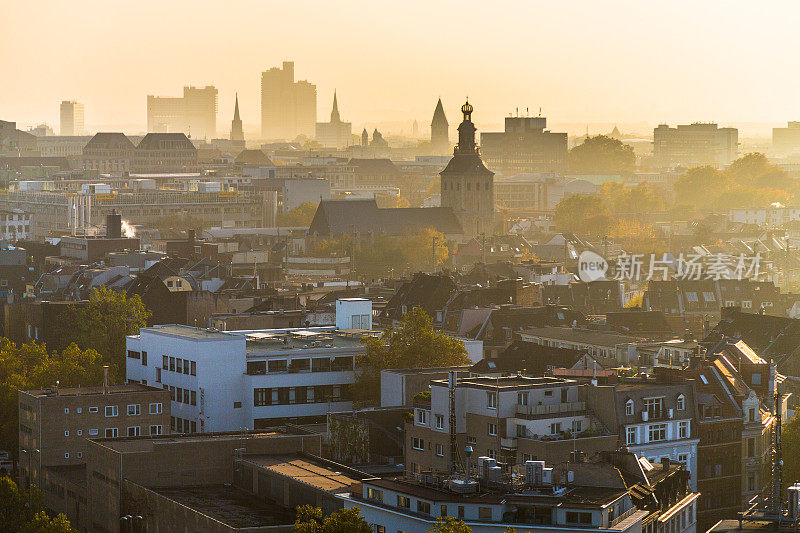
x=540, y=111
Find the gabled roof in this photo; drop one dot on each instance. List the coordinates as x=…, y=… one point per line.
x=339, y=217
x=110, y=140
x=428, y=291
x=374, y=166
x=253, y=157
x=153, y=141
x=529, y=357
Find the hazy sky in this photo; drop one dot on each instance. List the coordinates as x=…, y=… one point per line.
x=592, y=61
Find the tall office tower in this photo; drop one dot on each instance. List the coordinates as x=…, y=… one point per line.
x=194, y=114
x=467, y=186
x=288, y=107
x=440, y=130
x=334, y=134
x=237, y=133
x=71, y=118
x=695, y=145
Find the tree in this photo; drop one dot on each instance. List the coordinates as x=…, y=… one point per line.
x=699, y=184
x=790, y=444
x=30, y=366
x=754, y=169
x=578, y=213
x=22, y=512
x=41, y=523
x=414, y=344
x=300, y=216
x=310, y=520
x=601, y=154
x=104, y=324
x=450, y=525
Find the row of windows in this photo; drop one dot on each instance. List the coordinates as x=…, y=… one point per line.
x=295, y=395
x=657, y=432
x=181, y=425
x=133, y=409
x=655, y=406
x=181, y=395
x=133, y=431
x=181, y=366
x=316, y=364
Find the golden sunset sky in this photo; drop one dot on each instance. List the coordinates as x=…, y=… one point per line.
x=599, y=61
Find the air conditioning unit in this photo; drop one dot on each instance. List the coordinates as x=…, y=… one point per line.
x=645, y=416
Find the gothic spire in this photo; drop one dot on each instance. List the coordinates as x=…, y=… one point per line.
x=335, y=111
x=236, y=109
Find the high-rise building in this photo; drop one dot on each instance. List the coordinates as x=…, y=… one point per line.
x=694, y=145
x=440, y=130
x=467, y=186
x=525, y=147
x=237, y=132
x=71, y=118
x=288, y=107
x=786, y=140
x=194, y=114
x=334, y=134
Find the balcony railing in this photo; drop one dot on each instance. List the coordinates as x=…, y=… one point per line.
x=543, y=411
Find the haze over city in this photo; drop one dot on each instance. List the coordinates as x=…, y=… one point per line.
x=665, y=62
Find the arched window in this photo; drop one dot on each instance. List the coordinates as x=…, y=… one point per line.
x=629, y=407
x=681, y=402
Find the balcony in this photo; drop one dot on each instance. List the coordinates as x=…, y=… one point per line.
x=507, y=443
x=536, y=412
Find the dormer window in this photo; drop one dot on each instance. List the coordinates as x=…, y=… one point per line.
x=629, y=408
x=681, y=402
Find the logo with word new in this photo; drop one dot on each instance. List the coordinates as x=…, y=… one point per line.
x=591, y=266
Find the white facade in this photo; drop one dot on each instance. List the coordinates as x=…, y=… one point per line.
x=16, y=225
x=353, y=313
x=226, y=381
x=765, y=216
x=665, y=438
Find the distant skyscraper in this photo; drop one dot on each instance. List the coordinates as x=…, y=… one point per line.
x=71, y=118
x=467, y=186
x=237, y=133
x=440, y=130
x=195, y=114
x=525, y=147
x=288, y=107
x=334, y=134
x=694, y=145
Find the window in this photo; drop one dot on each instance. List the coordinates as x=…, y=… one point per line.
x=629, y=408
x=156, y=429
x=422, y=416
x=751, y=482
x=522, y=431
x=66, y=433
x=403, y=501
x=747, y=304
x=755, y=379
x=417, y=443
x=179, y=365
x=423, y=507
x=134, y=431
x=144, y=358
x=548, y=393
x=165, y=362
x=577, y=426
x=654, y=407
x=66, y=410
x=492, y=429
x=439, y=422
x=574, y=517
x=186, y=367
x=133, y=354
x=112, y=410
x=522, y=398
x=193, y=397
x=491, y=400
x=680, y=403
x=751, y=447
x=630, y=435
x=656, y=432
x=374, y=494
x=683, y=429
x=440, y=450
x=172, y=364
x=111, y=432
x=80, y=410
x=484, y=513
x=193, y=368
x=93, y=432
x=80, y=455
x=237, y=405
x=156, y=408
x=555, y=428
x=80, y=432
x=443, y=510
x=460, y=511
x=134, y=409
x=66, y=455
x=491, y=453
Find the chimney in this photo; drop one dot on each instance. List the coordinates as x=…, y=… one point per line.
x=105, y=379
x=114, y=225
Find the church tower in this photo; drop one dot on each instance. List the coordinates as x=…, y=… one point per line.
x=335, y=118
x=467, y=186
x=440, y=131
x=237, y=133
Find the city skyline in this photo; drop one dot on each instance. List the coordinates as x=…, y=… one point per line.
x=630, y=69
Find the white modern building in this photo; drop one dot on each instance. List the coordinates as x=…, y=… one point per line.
x=774, y=215
x=230, y=380
x=15, y=225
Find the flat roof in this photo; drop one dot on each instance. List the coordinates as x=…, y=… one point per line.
x=509, y=382
x=229, y=505
x=146, y=443
x=191, y=332
x=123, y=388
x=306, y=471
x=586, y=336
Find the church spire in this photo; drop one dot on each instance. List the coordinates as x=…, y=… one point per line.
x=335, y=111
x=237, y=132
x=466, y=132
x=236, y=109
